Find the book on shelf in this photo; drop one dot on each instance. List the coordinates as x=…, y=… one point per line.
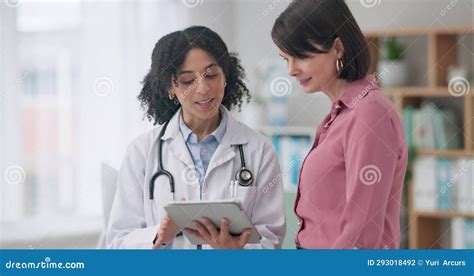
x=424, y=184
x=445, y=187
x=465, y=191
x=462, y=233
x=408, y=124
x=443, y=184
x=430, y=127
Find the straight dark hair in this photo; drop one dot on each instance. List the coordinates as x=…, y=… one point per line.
x=305, y=23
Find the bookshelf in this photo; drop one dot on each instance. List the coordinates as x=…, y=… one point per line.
x=425, y=228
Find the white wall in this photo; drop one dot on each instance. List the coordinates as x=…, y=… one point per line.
x=412, y=13
x=10, y=84
x=218, y=15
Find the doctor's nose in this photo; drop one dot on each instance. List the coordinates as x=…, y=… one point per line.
x=202, y=86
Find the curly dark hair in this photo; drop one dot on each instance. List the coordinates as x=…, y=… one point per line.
x=167, y=57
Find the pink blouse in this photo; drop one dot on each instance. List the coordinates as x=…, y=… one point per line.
x=351, y=181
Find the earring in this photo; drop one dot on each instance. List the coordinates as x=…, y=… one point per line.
x=339, y=65
x=225, y=84
x=171, y=96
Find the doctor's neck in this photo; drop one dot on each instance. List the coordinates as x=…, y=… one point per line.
x=202, y=127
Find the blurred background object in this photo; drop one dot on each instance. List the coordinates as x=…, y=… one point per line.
x=70, y=73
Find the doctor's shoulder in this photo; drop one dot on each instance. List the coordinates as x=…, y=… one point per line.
x=257, y=139
x=143, y=143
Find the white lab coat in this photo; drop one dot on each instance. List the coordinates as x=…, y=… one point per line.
x=131, y=224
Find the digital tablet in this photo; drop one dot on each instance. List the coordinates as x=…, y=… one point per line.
x=184, y=212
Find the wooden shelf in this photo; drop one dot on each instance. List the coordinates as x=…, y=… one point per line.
x=445, y=153
x=419, y=91
x=443, y=214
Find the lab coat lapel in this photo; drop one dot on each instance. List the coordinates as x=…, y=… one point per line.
x=222, y=155
x=176, y=142
x=234, y=135
x=179, y=149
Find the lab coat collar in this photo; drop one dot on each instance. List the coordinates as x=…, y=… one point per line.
x=234, y=135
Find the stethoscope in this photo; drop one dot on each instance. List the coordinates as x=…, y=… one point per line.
x=243, y=177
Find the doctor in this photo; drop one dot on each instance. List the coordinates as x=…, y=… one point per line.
x=207, y=155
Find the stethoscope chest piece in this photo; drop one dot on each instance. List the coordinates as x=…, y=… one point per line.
x=244, y=177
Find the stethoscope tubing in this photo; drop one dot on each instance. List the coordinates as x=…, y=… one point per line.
x=161, y=171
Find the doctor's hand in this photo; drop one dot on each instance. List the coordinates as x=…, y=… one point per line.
x=219, y=239
x=167, y=232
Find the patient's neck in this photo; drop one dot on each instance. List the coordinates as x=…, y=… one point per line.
x=335, y=90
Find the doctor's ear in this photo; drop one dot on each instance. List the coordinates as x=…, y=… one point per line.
x=171, y=95
x=339, y=47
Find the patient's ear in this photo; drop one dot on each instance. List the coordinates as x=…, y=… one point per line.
x=339, y=47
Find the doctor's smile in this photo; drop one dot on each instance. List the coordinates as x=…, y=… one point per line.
x=205, y=103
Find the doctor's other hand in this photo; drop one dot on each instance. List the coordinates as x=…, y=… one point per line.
x=219, y=239
x=167, y=232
